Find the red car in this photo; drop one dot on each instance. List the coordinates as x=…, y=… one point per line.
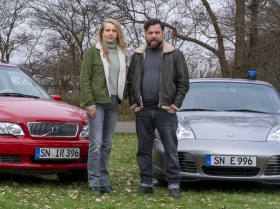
x=39, y=134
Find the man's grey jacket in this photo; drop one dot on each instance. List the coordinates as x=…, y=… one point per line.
x=174, y=77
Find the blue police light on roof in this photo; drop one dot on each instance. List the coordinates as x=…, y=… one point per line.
x=252, y=75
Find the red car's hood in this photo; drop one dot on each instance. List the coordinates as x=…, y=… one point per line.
x=23, y=110
x=230, y=125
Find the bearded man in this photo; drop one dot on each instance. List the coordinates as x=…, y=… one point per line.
x=157, y=83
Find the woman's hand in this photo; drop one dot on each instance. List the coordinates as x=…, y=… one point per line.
x=91, y=112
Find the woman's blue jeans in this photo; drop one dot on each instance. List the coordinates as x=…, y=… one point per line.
x=101, y=131
x=147, y=120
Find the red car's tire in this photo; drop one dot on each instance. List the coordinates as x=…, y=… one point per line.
x=73, y=176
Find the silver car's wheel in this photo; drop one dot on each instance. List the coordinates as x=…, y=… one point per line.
x=276, y=186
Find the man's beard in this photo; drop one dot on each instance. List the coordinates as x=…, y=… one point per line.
x=154, y=44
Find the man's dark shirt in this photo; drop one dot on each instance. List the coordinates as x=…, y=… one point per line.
x=151, y=76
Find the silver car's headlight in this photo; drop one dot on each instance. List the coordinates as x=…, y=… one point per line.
x=11, y=128
x=274, y=136
x=85, y=132
x=184, y=131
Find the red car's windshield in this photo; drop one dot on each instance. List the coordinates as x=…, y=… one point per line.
x=14, y=81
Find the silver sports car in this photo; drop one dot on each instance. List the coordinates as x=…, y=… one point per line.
x=229, y=129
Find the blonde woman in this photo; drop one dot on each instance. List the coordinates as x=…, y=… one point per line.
x=102, y=82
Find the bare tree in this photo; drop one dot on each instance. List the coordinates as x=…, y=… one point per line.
x=218, y=37
x=72, y=22
x=69, y=29
x=187, y=24
x=13, y=32
x=247, y=37
x=220, y=27
x=267, y=52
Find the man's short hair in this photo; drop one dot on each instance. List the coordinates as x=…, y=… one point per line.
x=153, y=21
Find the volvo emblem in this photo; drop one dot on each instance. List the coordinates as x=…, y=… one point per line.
x=55, y=129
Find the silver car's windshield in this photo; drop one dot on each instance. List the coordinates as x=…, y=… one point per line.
x=245, y=97
x=14, y=82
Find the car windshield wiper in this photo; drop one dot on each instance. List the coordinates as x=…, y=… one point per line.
x=195, y=109
x=13, y=94
x=244, y=110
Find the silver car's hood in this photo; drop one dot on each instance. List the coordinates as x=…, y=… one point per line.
x=230, y=125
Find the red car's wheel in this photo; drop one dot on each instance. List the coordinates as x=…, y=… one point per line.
x=72, y=176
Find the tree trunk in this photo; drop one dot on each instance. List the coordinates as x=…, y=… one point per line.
x=240, y=47
x=253, y=35
x=221, y=48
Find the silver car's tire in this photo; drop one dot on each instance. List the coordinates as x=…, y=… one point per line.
x=276, y=186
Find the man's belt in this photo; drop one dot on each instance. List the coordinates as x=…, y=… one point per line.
x=152, y=106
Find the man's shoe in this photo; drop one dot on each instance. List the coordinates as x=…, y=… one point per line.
x=108, y=190
x=95, y=191
x=175, y=193
x=143, y=190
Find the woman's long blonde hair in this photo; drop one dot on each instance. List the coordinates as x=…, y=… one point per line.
x=122, y=43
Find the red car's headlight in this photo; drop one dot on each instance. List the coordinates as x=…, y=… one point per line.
x=84, y=133
x=11, y=128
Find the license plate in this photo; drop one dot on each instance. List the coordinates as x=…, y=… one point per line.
x=57, y=153
x=226, y=160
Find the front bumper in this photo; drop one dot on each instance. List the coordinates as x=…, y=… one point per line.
x=17, y=155
x=192, y=158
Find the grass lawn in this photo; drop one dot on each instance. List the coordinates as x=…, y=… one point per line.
x=47, y=192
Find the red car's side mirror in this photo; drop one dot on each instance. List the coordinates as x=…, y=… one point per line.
x=56, y=97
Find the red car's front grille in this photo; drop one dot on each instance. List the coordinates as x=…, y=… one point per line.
x=58, y=161
x=53, y=129
x=84, y=160
x=10, y=159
